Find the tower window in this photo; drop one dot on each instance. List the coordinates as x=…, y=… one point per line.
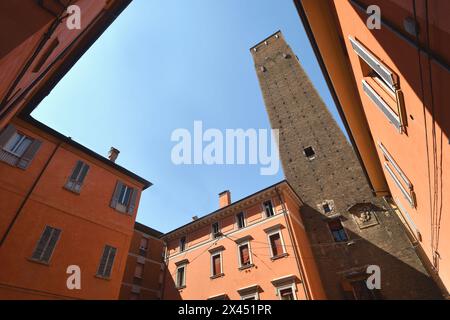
x=337, y=230
x=309, y=153
x=326, y=208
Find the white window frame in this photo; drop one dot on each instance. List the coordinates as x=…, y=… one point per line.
x=250, y=295
x=390, y=162
x=219, y=253
x=184, y=276
x=288, y=286
x=249, y=253
x=270, y=243
x=264, y=208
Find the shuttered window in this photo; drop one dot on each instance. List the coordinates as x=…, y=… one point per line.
x=124, y=198
x=76, y=179
x=46, y=244
x=216, y=264
x=286, y=294
x=240, y=220
x=268, y=208
x=182, y=244
x=16, y=148
x=244, y=255
x=276, y=244
x=181, y=276
x=106, y=262
x=139, y=271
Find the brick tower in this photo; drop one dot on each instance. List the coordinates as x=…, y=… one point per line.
x=348, y=227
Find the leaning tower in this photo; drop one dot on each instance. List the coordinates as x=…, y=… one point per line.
x=348, y=227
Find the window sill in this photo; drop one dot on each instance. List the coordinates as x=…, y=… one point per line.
x=39, y=262
x=279, y=256
x=248, y=266
x=103, y=278
x=219, y=275
x=72, y=191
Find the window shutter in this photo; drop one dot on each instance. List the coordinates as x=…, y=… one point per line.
x=76, y=170
x=132, y=204
x=101, y=267
x=83, y=173
x=37, y=254
x=46, y=244
x=29, y=154
x=216, y=265
x=6, y=135
x=110, y=262
x=51, y=245
x=116, y=194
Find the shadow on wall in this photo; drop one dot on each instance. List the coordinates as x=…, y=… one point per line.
x=170, y=291
x=385, y=244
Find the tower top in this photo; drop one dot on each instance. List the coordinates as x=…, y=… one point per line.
x=267, y=40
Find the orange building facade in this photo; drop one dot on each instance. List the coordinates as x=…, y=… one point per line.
x=255, y=248
x=67, y=213
x=143, y=277
x=390, y=84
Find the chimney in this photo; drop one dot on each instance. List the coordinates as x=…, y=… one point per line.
x=194, y=218
x=113, y=154
x=224, y=199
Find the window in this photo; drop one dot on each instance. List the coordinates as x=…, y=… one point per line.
x=77, y=177
x=181, y=276
x=16, y=148
x=139, y=271
x=106, y=262
x=216, y=265
x=381, y=85
x=250, y=292
x=240, y=220
x=326, y=208
x=124, y=198
x=215, y=230
x=276, y=244
x=245, y=258
x=253, y=296
x=143, y=247
x=268, y=208
x=337, y=230
x=309, y=153
x=18, y=144
x=46, y=244
x=182, y=244
x=286, y=294
x=398, y=176
x=358, y=290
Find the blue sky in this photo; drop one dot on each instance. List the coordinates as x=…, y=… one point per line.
x=162, y=65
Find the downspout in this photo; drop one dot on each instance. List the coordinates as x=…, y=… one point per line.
x=165, y=264
x=27, y=196
x=297, y=258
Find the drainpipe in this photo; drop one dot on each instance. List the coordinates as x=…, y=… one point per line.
x=27, y=196
x=165, y=264
x=297, y=258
